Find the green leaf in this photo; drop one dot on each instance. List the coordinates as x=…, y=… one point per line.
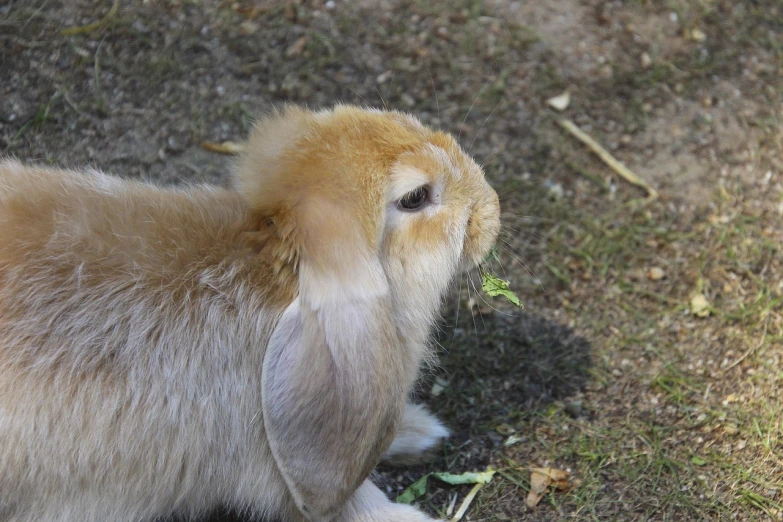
x=419, y=488
x=466, y=478
x=495, y=286
x=413, y=491
x=698, y=460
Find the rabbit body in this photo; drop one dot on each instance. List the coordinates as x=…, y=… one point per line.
x=132, y=331
x=167, y=350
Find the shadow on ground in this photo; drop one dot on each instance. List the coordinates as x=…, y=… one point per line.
x=504, y=368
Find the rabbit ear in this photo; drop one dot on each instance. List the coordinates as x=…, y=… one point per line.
x=333, y=392
x=333, y=380
x=329, y=208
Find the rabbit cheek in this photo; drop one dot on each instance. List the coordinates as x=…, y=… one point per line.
x=482, y=230
x=434, y=233
x=421, y=260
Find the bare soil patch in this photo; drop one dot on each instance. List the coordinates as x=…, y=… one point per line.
x=657, y=413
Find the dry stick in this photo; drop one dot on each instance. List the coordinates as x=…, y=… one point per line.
x=751, y=350
x=450, y=509
x=466, y=503
x=227, y=147
x=70, y=31
x=602, y=153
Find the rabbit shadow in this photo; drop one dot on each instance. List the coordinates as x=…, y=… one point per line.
x=491, y=373
x=501, y=365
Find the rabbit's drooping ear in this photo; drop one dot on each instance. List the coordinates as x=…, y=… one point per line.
x=333, y=378
x=333, y=390
x=296, y=172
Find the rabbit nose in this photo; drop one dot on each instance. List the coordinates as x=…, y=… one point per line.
x=483, y=226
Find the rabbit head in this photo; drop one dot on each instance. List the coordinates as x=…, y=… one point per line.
x=373, y=203
x=379, y=214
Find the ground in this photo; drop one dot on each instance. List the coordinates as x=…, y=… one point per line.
x=657, y=413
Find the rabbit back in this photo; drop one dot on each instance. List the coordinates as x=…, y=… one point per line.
x=130, y=349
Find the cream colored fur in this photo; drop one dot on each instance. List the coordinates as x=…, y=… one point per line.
x=167, y=350
x=418, y=433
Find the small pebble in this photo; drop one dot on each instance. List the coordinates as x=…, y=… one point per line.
x=574, y=408
x=248, y=27
x=554, y=189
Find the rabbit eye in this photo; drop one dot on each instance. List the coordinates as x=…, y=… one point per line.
x=414, y=200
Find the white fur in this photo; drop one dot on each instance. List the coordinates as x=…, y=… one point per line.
x=369, y=504
x=418, y=433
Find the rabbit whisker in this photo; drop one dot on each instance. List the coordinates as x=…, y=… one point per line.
x=535, y=235
x=523, y=184
x=386, y=107
x=472, y=315
x=391, y=83
x=434, y=92
x=478, y=295
x=507, y=249
x=481, y=91
x=470, y=149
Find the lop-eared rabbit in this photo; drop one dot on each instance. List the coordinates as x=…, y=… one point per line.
x=167, y=350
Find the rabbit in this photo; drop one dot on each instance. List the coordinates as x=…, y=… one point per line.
x=167, y=350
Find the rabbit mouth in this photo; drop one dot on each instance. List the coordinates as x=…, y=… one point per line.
x=468, y=262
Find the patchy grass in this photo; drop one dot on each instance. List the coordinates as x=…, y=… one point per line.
x=662, y=430
x=658, y=414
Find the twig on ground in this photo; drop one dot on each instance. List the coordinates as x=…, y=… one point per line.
x=751, y=350
x=466, y=503
x=227, y=147
x=607, y=158
x=84, y=29
x=450, y=509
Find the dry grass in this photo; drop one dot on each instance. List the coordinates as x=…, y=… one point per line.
x=657, y=413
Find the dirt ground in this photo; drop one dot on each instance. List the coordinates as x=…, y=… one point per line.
x=660, y=405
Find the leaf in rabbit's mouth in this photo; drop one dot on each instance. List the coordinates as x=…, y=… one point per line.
x=494, y=286
x=492, y=255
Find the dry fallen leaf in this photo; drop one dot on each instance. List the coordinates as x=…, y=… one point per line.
x=504, y=429
x=513, y=439
x=540, y=481
x=297, y=47
x=227, y=147
x=700, y=307
x=560, y=102
x=248, y=27
x=697, y=35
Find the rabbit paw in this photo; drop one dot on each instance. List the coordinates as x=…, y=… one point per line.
x=369, y=504
x=419, y=433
